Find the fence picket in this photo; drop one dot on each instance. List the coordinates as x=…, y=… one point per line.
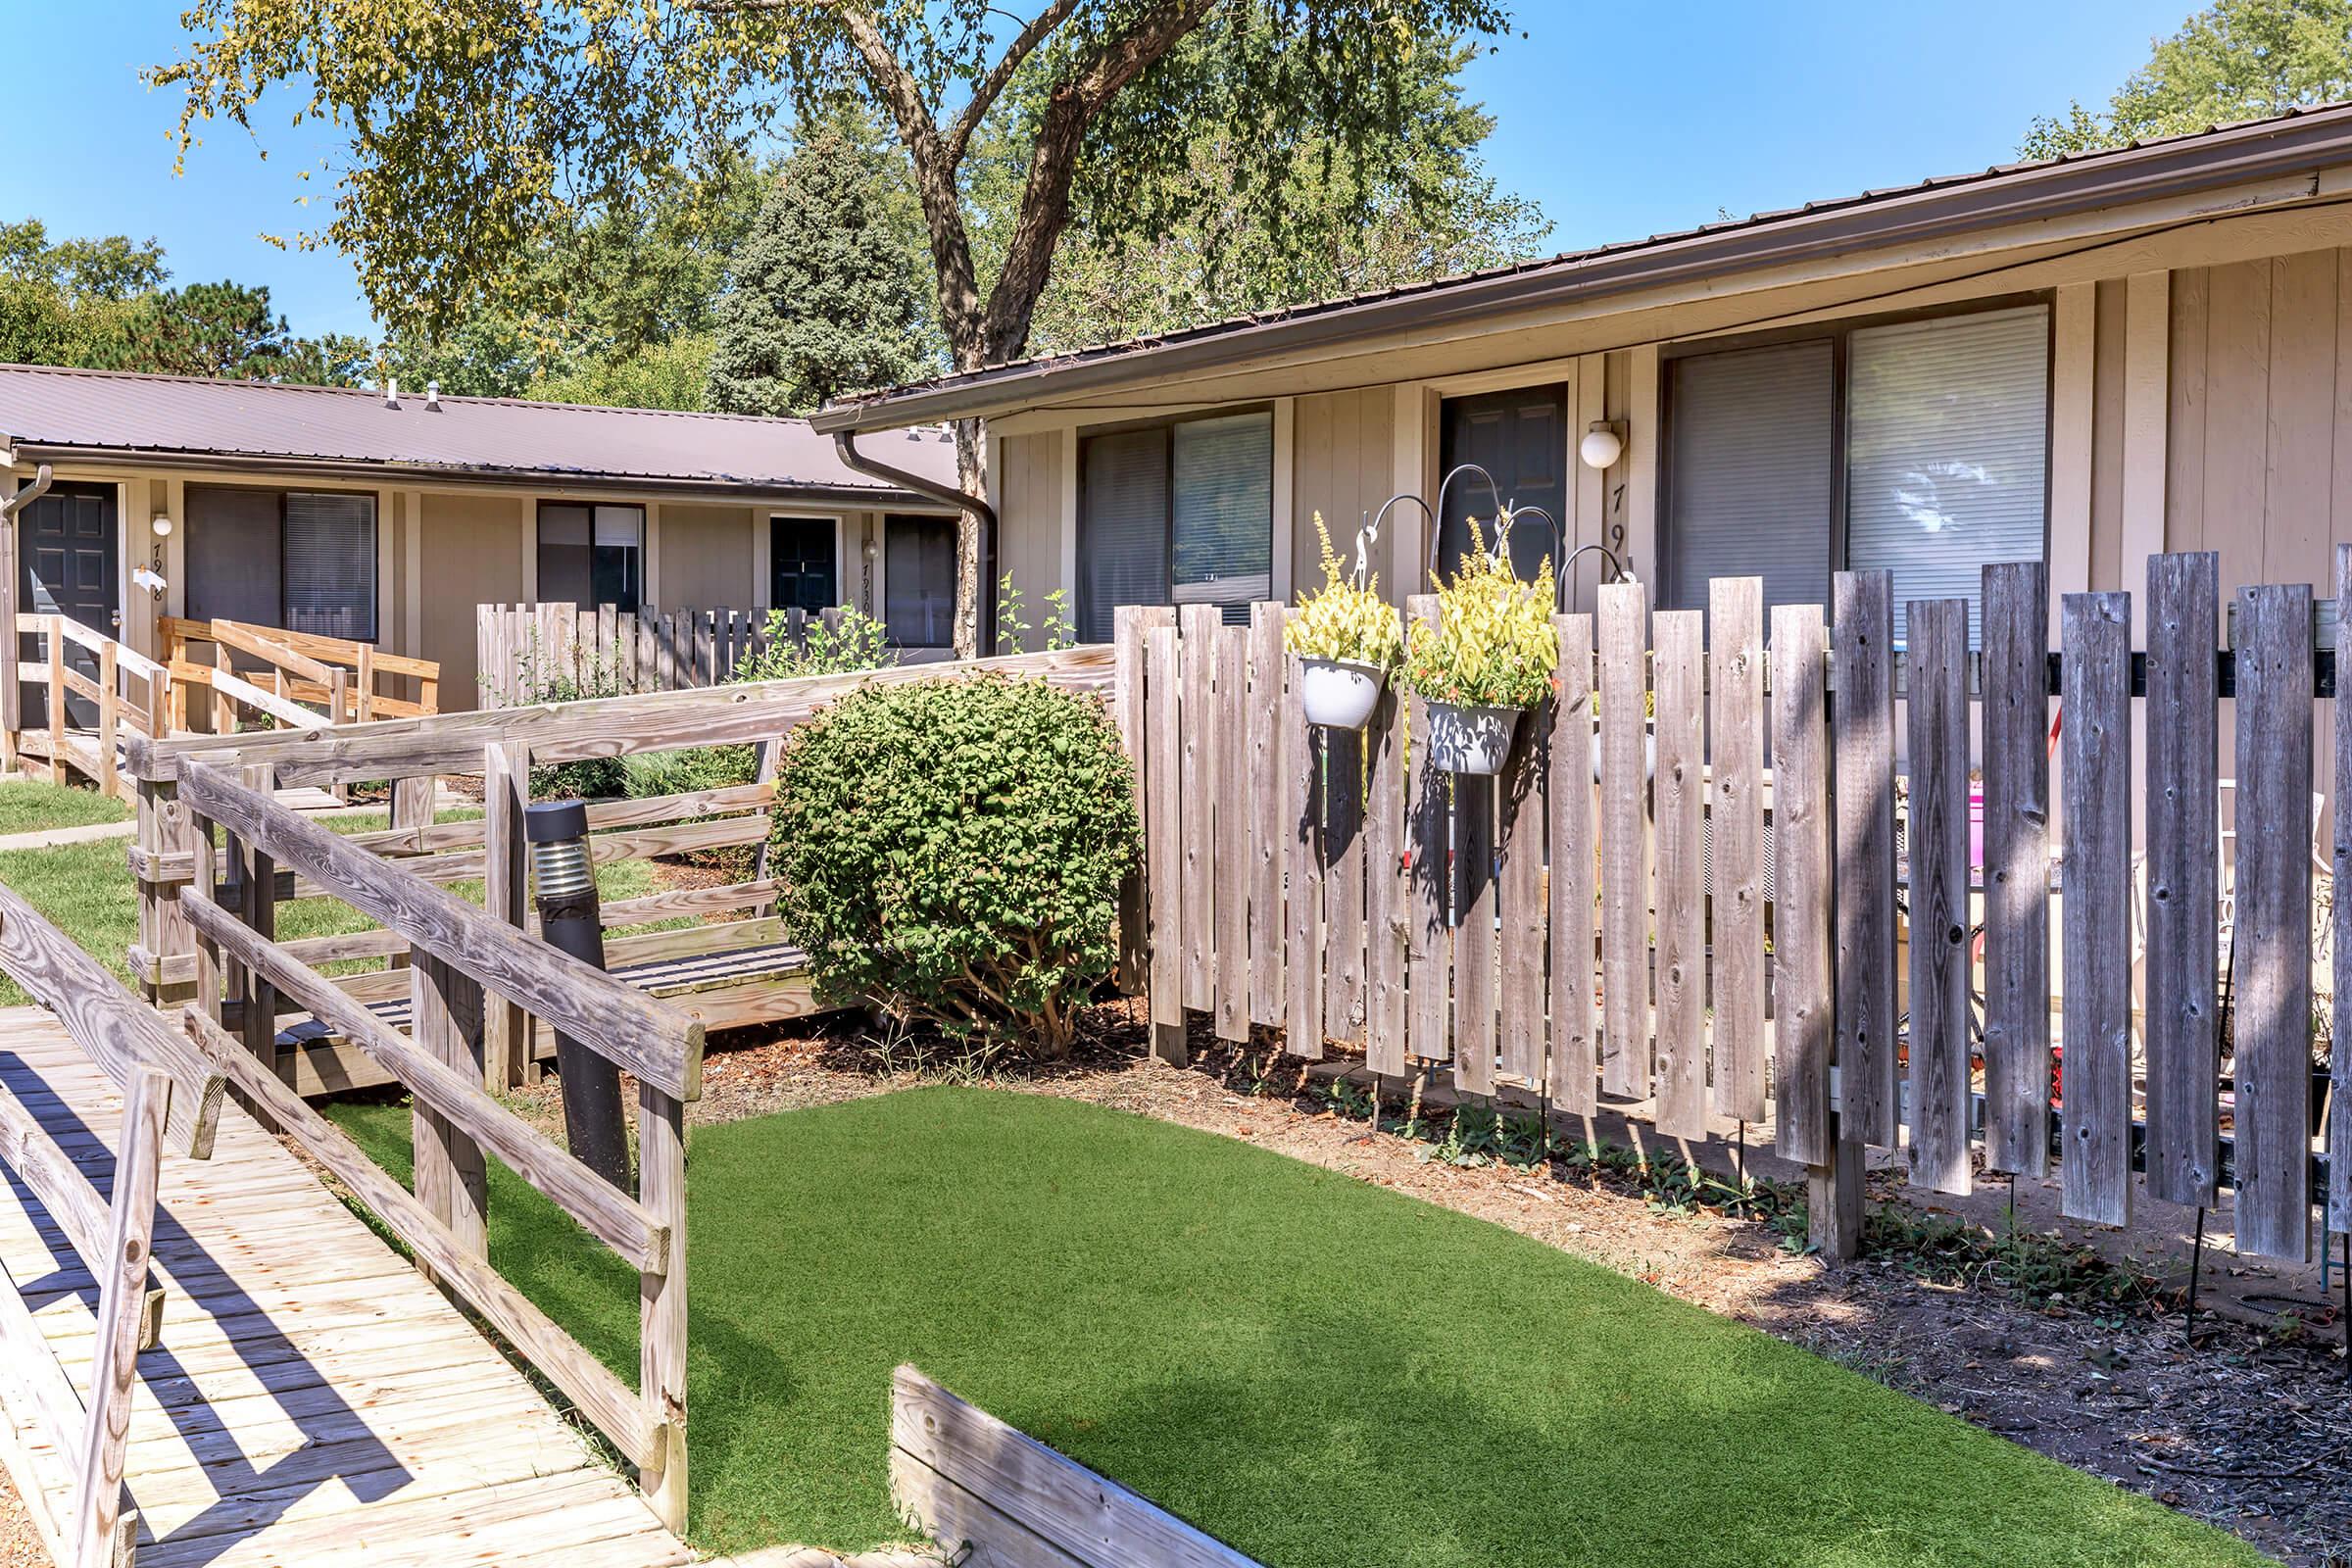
x=1343, y=883
x=1164, y=849
x=1801, y=863
x=1128, y=713
x=2017, y=868
x=2183, y=893
x=1232, y=988
x=1862, y=660
x=1735, y=842
x=1386, y=894
x=1303, y=968
x=2095, y=637
x=1196, y=647
x=1426, y=937
x=1568, y=817
x=1679, y=806
x=2270, y=988
x=1267, y=994
x=2339, y=1115
x=1519, y=842
x=1624, y=843
x=1937, y=711
x=1474, y=944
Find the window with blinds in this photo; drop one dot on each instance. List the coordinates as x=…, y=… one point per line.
x=1222, y=490
x=1176, y=513
x=1947, y=443
x=592, y=555
x=1944, y=424
x=328, y=565
x=1750, y=479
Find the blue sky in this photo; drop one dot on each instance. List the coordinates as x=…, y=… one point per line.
x=1622, y=119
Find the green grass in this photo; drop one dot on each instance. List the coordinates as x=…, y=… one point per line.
x=27, y=807
x=86, y=890
x=1324, y=1373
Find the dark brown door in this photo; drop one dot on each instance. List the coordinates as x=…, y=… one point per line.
x=1521, y=438
x=66, y=541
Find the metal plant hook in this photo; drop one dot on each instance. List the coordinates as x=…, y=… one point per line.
x=1435, y=525
x=1380, y=516
x=1367, y=537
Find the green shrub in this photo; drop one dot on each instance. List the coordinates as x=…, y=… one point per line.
x=953, y=849
x=857, y=641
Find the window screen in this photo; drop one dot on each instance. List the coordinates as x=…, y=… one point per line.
x=329, y=565
x=233, y=554
x=1122, y=527
x=1750, y=473
x=1948, y=428
x=1223, y=487
x=591, y=555
x=801, y=568
x=919, y=582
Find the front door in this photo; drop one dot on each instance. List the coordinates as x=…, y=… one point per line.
x=66, y=541
x=1521, y=438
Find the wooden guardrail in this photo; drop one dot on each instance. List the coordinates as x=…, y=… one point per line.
x=993, y=1493
x=290, y=677
x=458, y=955
x=171, y=1100
x=127, y=691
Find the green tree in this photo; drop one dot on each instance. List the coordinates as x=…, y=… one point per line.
x=473, y=139
x=2235, y=59
x=822, y=297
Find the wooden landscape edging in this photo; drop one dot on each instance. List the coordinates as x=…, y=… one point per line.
x=996, y=1498
x=1595, y=923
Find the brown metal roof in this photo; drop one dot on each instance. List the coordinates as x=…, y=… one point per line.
x=2296, y=141
x=47, y=412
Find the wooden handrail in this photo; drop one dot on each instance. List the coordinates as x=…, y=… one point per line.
x=246, y=692
x=327, y=650
x=604, y=726
x=120, y=1033
x=585, y=1380
x=604, y=1210
x=661, y=1045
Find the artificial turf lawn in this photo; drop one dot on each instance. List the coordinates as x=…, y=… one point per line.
x=1325, y=1374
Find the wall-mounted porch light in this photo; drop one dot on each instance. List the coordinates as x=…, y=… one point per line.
x=1603, y=444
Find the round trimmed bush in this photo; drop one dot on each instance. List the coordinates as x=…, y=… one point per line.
x=952, y=850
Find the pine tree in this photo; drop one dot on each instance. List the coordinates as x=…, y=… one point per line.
x=824, y=297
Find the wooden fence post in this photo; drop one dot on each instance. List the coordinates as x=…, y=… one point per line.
x=2017, y=868
x=1301, y=816
x=109, y=718
x=1164, y=848
x=1385, y=890
x=256, y=900
x=2095, y=640
x=1571, y=1071
x=1679, y=918
x=446, y=1020
x=59, y=720
x=1625, y=1047
x=662, y=1300
x=1268, y=982
x=1231, y=979
x=1862, y=792
x=1127, y=712
x=2184, y=822
x=506, y=1030
x=102, y=1525
x=1428, y=882
x=1735, y=843
x=1937, y=706
x=1196, y=652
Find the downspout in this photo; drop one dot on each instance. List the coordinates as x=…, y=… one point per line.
x=12, y=696
x=845, y=443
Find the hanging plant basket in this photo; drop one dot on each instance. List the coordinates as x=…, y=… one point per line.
x=1469, y=738
x=1339, y=693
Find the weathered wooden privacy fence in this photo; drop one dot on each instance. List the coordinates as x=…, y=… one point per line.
x=1578, y=929
x=530, y=653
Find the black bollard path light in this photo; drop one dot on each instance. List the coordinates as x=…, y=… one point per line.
x=564, y=882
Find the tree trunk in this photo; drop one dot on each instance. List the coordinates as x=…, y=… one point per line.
x=971, y=475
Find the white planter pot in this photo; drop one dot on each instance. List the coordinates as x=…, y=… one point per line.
x=1340, y=692
x=1469, y=739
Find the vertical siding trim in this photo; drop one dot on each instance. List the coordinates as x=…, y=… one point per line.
x=1589, y=393
x=652, y=592
x=2184, y=444
x=1645, y=433
x=2073, y=375
x=1286, y=480
x=2147, y=404
x=414, y=506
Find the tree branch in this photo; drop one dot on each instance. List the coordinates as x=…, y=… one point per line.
x=992, y=86
x=1052, y=163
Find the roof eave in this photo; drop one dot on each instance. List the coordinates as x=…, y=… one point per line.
x=1995, y=200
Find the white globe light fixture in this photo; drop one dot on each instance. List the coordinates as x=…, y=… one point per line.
x=1601, y=446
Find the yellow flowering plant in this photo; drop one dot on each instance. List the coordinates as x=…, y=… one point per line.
x=1344, y=619
x=1494, y=644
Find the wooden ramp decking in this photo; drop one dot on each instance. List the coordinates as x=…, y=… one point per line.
x=312, y=1402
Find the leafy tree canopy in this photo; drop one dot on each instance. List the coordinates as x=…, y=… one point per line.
x=2235, y=59
x=102, y=304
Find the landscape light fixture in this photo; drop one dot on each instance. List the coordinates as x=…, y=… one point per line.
x=571, y=918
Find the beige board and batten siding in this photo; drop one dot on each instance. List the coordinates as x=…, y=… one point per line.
x=471, y=551
x=707, y=557
x=1035, y=542
x=1343, y=447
